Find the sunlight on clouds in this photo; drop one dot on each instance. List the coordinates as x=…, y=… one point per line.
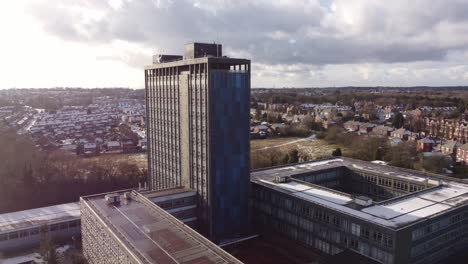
x=310, y=43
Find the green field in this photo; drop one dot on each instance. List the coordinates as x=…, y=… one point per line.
x=314, y=148
x=138, y=158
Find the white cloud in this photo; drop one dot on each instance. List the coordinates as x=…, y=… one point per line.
x=291, y=43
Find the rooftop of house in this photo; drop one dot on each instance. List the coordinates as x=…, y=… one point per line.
x=38, y=216
x=441, y=193
x=464, y=147
x=156, y=236
x=426, y=141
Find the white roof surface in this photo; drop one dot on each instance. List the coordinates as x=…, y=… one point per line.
x=393, y=213
x=311, y=193
x=38, y=216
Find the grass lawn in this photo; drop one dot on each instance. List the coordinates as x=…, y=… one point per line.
x=314, y=148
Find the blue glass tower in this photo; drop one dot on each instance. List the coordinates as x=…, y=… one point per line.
x=230, y=150
x=198, y=134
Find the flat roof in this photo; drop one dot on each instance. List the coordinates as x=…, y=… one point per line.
x=154, y=235
x=197, y=61
x=39, y=216
x=166, y=192
x=442, y=194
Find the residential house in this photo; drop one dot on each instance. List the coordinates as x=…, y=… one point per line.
x=128, y=146
x=450, y=147
x=351, y=125
x=90, y=148
x=425, y=145
x=401, y=133
x=277, y=126
x=383, y=130
x=69, y=147
x=462, y=153
x=366, y=127
x=113, y=146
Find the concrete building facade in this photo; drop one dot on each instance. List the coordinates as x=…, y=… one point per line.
x=22, y=230
x=388, y=214
x=198, y=134
x=127, y=227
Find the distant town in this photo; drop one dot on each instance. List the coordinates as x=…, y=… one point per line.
x=78, y=142
x=429, y=123
x=78, y=121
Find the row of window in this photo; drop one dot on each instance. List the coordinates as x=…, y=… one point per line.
x=321, y=177
x=275, y=202
x=444, y=238
x=383, y=181
x=35, y=231
x=325, y=236
x=436, y=226
x=166, y=205
x=185, y=214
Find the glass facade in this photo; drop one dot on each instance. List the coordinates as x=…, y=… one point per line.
x=318, y=227
x=198, y=137
x=229, y=113
x=331, y=229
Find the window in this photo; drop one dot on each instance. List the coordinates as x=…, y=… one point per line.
x=355, y=229
x=336, y=221
x=24, y=233
x=13, y=235
x=354, y=244
x=365, y=232
x=455, y=218
x=3, y=237
x=377, y=236
x=54, y=227
x=34, y=231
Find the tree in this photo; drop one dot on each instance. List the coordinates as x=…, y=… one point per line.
x=310, y=123
x=368, y=148
x=293, y=156
x=28, y=178
x=295, y=130
x=402, y=155
x=46, y=246
x=274, y=118
x=337, y=152
x=435, y=164
x=258, y=114
x=398, y=120
x=332, y=135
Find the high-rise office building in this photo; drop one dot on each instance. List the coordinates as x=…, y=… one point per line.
x=198, y=133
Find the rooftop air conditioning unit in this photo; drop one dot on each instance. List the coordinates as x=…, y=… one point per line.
x=112, y=198
x=281, y=179
x=363, y=200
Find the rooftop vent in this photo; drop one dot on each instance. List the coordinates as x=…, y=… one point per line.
x=281, y=179
x=162, y=58
x=363, y=200
x=112, y=198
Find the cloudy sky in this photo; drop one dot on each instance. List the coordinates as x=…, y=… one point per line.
x=296, y=43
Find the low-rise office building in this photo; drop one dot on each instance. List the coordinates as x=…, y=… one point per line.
x=388, y=214
x=22, y=230
x=130, y=228
x=179, y=202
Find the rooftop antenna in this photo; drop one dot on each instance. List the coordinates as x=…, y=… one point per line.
x=217, y=41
